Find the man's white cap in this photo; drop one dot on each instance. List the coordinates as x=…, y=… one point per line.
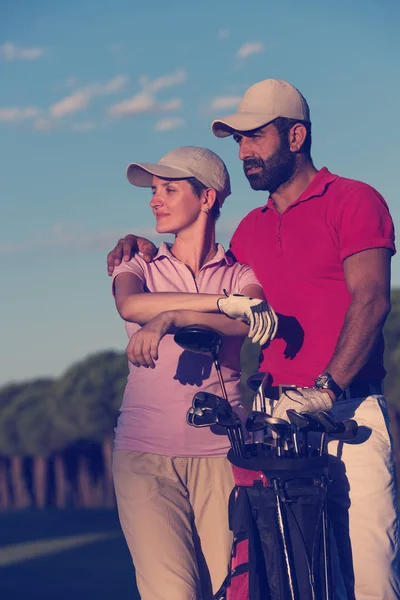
x=262, y=103
x=182, y=163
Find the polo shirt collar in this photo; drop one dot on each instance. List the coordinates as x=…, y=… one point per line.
x=221, y=256
x=317, y=187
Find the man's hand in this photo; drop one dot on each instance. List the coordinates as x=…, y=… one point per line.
x=142, y=349
x=255, y=312
x=127, y=247
x=302, y=400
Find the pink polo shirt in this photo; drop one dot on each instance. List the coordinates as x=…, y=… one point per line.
x=155, y=402
x=298, y=258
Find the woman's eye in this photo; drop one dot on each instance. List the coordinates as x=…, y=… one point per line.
x=170, y=189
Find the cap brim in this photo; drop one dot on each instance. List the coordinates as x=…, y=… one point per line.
x=240, y=122
x=141, y=174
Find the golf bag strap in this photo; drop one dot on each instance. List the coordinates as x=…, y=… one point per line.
x=237, y=583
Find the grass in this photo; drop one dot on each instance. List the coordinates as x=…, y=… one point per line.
x=100, y=569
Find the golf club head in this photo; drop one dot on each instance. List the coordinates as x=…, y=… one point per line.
x=199, y=339
x=256, y=382
x=315, y=424
x=256, y=379
x=279, y=426
x=227, y=418
x=299, y=420
x=256, y=421
x=199, y=418
x=208, y=401
x=344, y=430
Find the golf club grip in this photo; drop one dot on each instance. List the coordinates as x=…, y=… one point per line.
x=346, y=430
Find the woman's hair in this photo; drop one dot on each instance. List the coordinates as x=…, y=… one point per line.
x=198, y=188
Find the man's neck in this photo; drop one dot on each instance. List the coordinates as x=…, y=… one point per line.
x=287, y=194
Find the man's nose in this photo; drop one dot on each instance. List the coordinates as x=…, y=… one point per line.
x=244, y=149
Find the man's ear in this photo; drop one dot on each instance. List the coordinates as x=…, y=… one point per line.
x=297, y=136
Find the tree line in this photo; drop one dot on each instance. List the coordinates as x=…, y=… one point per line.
x=56, y=434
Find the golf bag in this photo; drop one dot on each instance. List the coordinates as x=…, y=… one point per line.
x=277, y=513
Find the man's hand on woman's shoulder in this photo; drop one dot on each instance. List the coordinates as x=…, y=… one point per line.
x=127, y=247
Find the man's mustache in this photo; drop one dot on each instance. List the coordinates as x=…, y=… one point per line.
x=252, y=163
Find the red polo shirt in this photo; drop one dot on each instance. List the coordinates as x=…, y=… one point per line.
x=298, y=258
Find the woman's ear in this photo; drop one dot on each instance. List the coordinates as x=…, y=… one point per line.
x=209, y=199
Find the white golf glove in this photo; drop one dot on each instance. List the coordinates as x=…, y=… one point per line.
x=255, y=312
x=302, y=400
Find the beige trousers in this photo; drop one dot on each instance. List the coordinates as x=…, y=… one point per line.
x=174, y=515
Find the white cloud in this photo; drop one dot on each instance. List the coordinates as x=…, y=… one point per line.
x=81, y=99
x=163, y=82
x=44, y=124
x=16, y=114
x=71, y=104
x=173, y=104
x=143, y=103
x=222, y=102
x=223, y=34
x=139, y=104
x=114, y=85
x=84, y=126
x=10, y=51
x=169, y=124
x=74, y=237
x=250, y=48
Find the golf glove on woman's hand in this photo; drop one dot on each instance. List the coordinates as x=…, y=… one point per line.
x=255, y=312
x=304, y=400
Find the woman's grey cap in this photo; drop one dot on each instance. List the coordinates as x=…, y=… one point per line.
x=262, y=103
x=182, y=163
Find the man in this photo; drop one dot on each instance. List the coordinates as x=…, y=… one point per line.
x=321, y=248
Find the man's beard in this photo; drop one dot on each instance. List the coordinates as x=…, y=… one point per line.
x=276, y=171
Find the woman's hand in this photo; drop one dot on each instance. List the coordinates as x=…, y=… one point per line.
x=142, y=349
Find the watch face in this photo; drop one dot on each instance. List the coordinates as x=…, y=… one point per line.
x=322, y=380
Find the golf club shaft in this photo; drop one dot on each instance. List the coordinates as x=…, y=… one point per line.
x=322, y=443
x=232, y=440
x=327, y=583
x=284, y=540
x=221, y=381
x=241, y=441
x=295, y=439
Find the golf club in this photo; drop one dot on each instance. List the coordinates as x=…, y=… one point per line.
x=256, y=382
x=300, y=423
x=202, y=341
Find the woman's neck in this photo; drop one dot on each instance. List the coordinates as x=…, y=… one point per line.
x=195, y=246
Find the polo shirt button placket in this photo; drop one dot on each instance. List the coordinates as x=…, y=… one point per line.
x=279, y=237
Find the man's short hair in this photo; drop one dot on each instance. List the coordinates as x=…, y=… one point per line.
x=284, y=125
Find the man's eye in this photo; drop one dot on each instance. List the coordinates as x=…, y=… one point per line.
x=169, y=189
x=237, y=138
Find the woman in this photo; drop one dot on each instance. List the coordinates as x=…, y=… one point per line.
x=172, y=482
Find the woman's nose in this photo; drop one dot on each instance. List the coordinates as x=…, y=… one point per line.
x=155, y=201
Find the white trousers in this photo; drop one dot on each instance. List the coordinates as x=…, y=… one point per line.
x=362, y=504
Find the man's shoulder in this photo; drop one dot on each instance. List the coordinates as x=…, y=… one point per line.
x=346, y=184
x=251, y=217
x=347, y=191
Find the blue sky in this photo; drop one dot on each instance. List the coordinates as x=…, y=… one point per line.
x=90, y=85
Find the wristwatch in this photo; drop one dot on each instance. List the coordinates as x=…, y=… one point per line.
x=325, y=381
